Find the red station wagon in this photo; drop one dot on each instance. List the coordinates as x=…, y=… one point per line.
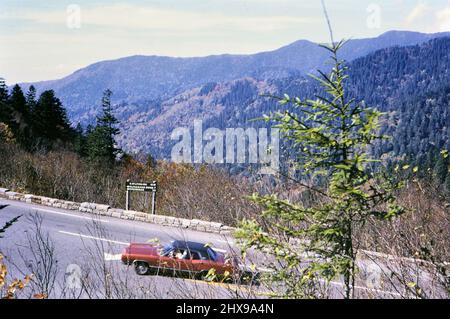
x=180, y=258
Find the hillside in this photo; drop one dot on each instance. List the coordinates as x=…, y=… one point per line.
x=389, y=79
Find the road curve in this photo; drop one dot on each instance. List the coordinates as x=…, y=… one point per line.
x=78, y=236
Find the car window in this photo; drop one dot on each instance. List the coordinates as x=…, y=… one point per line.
x=202, y=255
x=186, y=254
x=211, y=254
x=179, y=253
x=195, y=255
x=167, y=251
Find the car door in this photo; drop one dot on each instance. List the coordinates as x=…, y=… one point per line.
x=179, y=262
x=185, y=264
x=202, y=264
x=167, y=262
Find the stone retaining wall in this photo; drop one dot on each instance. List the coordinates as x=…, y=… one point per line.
x=105, y=210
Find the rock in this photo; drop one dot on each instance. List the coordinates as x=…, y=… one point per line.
x=101, y=207
x=115, y=212
x=85, y=205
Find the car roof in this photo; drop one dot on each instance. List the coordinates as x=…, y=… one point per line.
x=190, y=245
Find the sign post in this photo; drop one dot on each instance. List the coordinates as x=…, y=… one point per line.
x=127, y=205
x=154, y=202
x=141, y=187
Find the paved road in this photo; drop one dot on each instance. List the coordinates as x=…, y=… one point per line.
x=81, y=240
x=90, y=245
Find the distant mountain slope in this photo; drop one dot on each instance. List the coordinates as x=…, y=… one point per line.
x=388, y=79
x=140, y=78
x=419, y=127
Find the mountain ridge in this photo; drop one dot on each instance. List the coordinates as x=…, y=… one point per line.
x=300, y=41
x=141, y=77
x=383, y=79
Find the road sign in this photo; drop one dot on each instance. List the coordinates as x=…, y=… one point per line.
x=141, y=187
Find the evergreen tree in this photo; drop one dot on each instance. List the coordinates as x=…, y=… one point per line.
x=21, y=117
x=441, y=169
x=150, y=161
x=51, y=126
x=3, y=91
x=5, y=111
x=447, y=182
x=101, y=141
x=79, y=142
x=89, y=129
x=31, y=98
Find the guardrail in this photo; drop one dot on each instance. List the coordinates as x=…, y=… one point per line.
x=105, y=210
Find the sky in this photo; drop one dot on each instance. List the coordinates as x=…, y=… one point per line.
x=49, y=39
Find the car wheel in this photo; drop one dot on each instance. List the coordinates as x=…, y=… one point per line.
x=141, y=268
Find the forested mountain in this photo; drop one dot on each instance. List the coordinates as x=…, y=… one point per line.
x=420, y=123
x=142, y=78
x=419, y=131
x=394, y=80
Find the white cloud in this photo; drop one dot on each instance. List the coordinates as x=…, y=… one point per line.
x=424, y=17
x=416, y=13
x=127, y=16
x=443, y=19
